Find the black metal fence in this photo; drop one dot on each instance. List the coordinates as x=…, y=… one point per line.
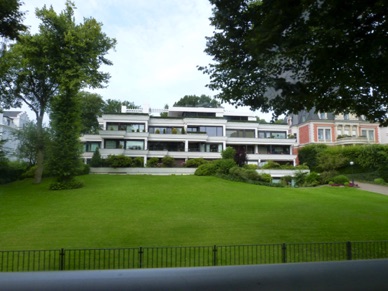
x=167, y=257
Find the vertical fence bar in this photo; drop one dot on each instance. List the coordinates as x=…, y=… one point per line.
x=284, y=253
x=62, y=260
x=141, y=257
x=214, y=255
x=348, y=250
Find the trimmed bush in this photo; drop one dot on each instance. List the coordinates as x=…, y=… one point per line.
x=137, y=162
x=340, y=179
x=168, y=162
x=208, y=169
x=379, y=181
x=228, y=153
x=271, y=165
x=152, y=162
x=118, y=161
x=327, y=176
x=267, y=178
x=312, y=179
x=224, y=165
x=195, y=163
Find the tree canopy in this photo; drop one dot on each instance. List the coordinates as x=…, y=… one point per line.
x=287, y=56
x=11, y=19
x=197, y=101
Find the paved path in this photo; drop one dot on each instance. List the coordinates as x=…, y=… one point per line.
x=373, y=188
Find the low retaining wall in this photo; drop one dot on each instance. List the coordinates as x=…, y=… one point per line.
x=281, y=173
x=144, y=171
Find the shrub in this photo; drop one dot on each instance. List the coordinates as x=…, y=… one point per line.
x=152, y=162
x=271, y=165
x=300, y=178
x=250, y=166
x=340, y=179
x=228, y=153
x=83, y=169
x=66, y=185
x=137, y=162
x=267, y=178
x=96, y=159
x=327, y=176
x=224, y=165
x=195, y=163
x=168, y=161
x=174, y=131
x=379, y=181
x=118, y=161
x=208, y=169
x=286, y=180
x=312, y=179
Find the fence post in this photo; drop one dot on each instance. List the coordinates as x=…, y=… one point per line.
x=61, y=259
x=141, y=257
x=284, y=253
x=348, y=250
x=214, y=255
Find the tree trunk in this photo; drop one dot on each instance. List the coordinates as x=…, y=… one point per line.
x=39, y=149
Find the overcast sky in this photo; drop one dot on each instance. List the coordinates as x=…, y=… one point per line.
x=160, y=43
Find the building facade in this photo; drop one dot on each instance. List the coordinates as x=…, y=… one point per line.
x=11, y=121
x=189, y=133
x=326, y=128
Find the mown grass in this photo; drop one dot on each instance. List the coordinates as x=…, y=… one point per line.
x=130, y=211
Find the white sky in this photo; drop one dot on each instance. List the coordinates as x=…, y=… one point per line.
x=160, y=43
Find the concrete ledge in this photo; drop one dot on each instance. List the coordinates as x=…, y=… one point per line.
x=143, y=171
x=281, y=173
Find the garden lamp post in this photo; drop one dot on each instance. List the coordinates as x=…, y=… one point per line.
x=351, y=165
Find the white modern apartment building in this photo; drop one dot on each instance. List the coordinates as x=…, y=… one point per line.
x=10, y=121
x=189, y=132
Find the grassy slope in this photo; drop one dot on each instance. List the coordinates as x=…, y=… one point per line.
x=125, y=211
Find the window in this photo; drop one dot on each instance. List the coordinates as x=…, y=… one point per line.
x=369, y=134
x=134, y=144
x=346, y=116
x=91, y=146
x=272, y=134
x=324, y=134
x=322, y=115
x=209, y=130
x=114, y=144
x=166, y=146
x=205, y=147
x=248, y=133
x=128, y=127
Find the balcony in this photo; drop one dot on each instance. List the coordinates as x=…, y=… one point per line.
x=352, y=140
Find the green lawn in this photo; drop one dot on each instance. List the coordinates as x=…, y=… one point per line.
x=130, y=211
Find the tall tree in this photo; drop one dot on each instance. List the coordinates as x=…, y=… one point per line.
x=76, y=52
x=114, y=106
x=287, y=56
x=91, y=107
x=28, y=143
x=58, y=61
x=196, y=101
x=11, y=19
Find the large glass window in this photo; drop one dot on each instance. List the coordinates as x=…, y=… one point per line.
x=165, y=130
x=134, y=144
x=248, y=133
x=272, y=134
x=166, y=146
x=91, y=146
x=273, y=149
x=128, y=127
x=249, y=149
x=114, y=144
x=209, y=130
x=205, y=147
